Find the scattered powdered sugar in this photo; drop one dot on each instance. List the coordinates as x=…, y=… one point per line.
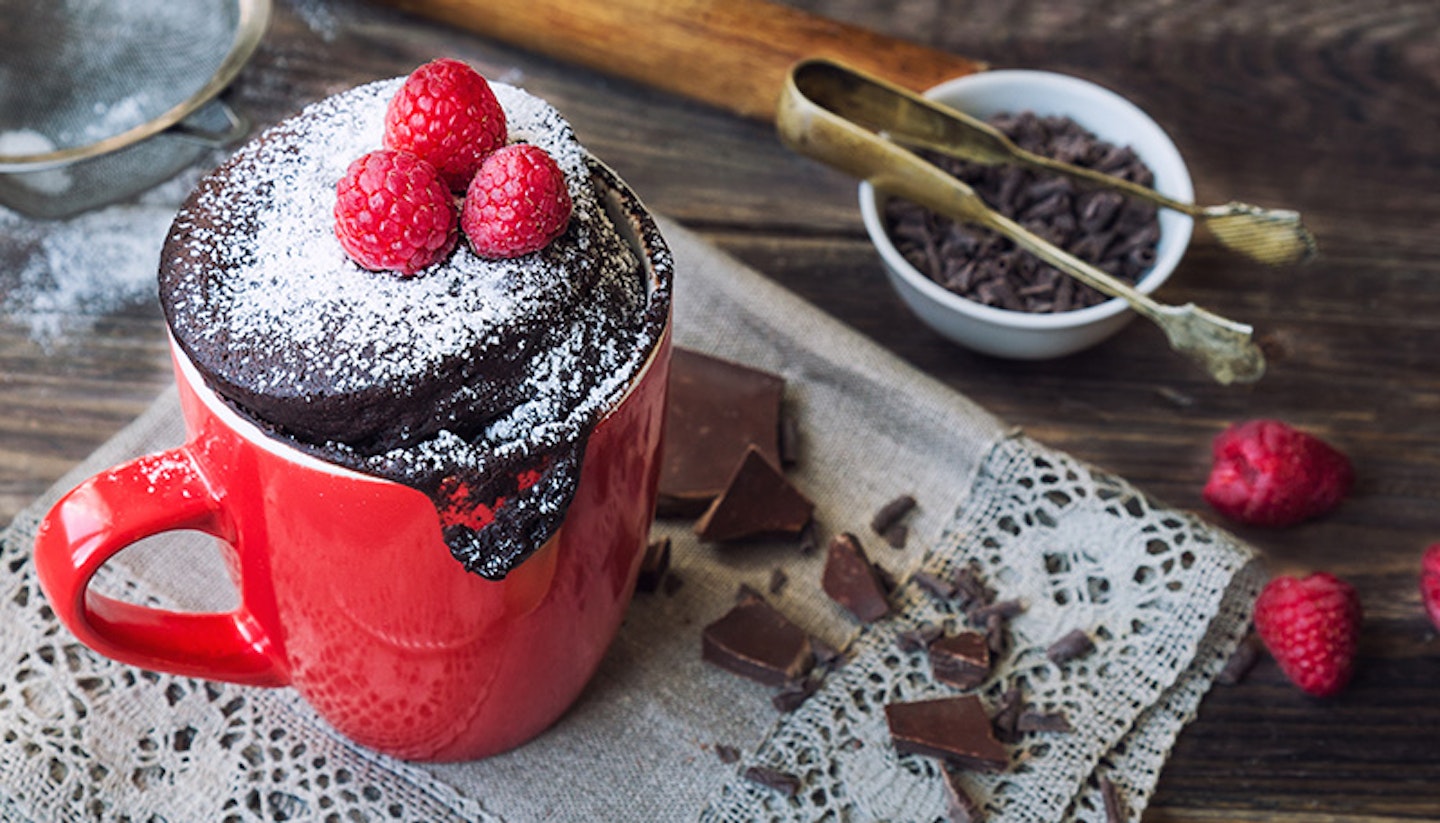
x=464, y=375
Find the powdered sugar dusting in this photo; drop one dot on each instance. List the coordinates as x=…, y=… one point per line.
x=471, y=369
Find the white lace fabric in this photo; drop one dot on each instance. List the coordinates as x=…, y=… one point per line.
x=1164, y=597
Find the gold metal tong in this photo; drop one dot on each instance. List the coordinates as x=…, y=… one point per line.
x=843, y=118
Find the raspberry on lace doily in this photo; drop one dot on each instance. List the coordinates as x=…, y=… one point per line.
x=1164, y=596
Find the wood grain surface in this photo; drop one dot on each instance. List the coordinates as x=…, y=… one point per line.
x=1331, y=107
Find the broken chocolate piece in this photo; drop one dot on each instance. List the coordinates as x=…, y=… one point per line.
x=1075, y=643
x=755, y=640
x=890, y=513
x=954, y=728
x=758, y=501
x=727, y=754
x=1035, y=721
x=962, y=660
x=961, y=807
x=1240, y=662
x=654, y=565
x=716, y=410
x=783, y=782
x=850, y=579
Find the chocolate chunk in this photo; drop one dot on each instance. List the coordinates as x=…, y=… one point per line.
x=716, y=410
x=1075, y=643
x=654, y=565
x=896, y=535
x=960, y=806
x=783, y=782
x=850, y=579
x=890, y=513
x=794, y=693
x=754, y=640
x=757, y=502
x=1240, y=662
x=1033, y=721
x=954, y=728
x=1115, y=811
x=727, y=754
x=962, y=660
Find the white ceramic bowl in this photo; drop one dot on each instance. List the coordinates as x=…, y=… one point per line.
x=1023, y=335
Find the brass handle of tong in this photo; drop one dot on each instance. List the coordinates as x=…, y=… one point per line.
x=819, y=115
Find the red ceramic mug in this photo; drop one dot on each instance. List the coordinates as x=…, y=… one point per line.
x=347, y=591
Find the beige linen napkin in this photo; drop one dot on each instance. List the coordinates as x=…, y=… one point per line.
x=1166, y=596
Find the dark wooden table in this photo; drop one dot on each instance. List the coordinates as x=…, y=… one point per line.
x=1331, y=107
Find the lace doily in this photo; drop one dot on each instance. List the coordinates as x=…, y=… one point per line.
x=1164, y=596
x=85, y=738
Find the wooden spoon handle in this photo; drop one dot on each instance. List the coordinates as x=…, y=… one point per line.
x=733, y=54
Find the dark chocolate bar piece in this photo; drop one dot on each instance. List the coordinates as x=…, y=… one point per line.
x=783, y=782
x=1073, y=644
x=716, y=410
x=758, y=501
x=962, y=660
x=956, y=729
x=755, y=640
x=851, y=580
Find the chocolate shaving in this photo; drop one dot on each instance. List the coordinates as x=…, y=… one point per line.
x=962, y=660
x=890, y=513
x=783, y=782
x=1035, y=721
x=654, y=565
x=1007, y=714
x=956, y=729
x=778, y=579
x=995, y=637
x=758, y=501
x=756, y=641
x=918, y=638
x=936, y=586
x=1115, y=811
x=794, y=693
x=851, y=580
x=727, y=754
x=809, y=538
x=971, y=588
x=716, y=410
x=789, y=440
x=979, y=614
x=1075, y=643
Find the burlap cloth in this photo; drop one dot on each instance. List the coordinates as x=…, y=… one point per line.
x=1165, y=596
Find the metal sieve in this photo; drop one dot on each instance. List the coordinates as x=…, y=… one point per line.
x=103, y=99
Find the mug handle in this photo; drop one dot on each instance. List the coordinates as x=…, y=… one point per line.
x=149, y=495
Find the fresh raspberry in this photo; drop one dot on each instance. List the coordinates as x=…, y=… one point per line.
x=517, y=203
x=394, y=213
x=446, y=113
x=1267, y=473
x=1311, y=626
x=1430, y=583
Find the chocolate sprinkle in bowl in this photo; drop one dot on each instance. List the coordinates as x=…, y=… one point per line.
x=982, y=293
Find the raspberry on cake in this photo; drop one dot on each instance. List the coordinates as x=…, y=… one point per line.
x=516, y=204
x=447, y=114
x=393, y=212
